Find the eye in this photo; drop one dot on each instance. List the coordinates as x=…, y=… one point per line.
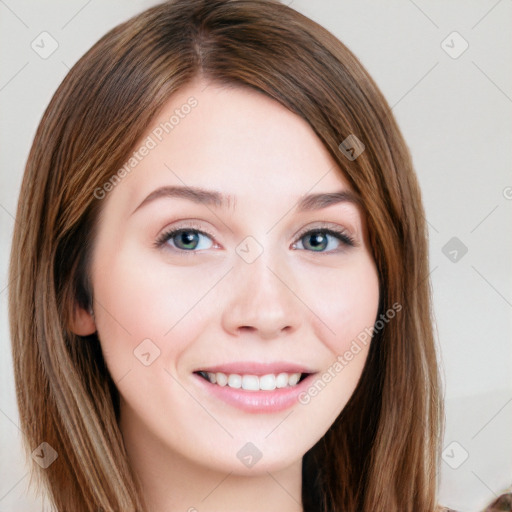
x=186, y=239
x=318, y=240
x=189, y=239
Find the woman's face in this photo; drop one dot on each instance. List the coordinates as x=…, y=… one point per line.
x=251, y=291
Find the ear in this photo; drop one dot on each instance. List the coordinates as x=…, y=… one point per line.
x=83, y=323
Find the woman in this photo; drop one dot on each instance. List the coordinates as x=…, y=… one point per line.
x=223, y=298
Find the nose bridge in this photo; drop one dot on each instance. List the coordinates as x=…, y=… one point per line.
x=261, y=276
x=260, y=296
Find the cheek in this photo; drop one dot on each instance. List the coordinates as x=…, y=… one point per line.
x=138, y=299
x=346, y=300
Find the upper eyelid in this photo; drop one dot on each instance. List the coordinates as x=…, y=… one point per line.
x=327, y=226
x=316, y=225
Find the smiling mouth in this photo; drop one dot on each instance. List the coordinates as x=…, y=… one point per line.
x=249, y=382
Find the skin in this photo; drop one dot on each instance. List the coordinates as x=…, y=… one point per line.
x=290, y=304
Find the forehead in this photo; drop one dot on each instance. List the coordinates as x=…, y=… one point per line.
x=235, y=140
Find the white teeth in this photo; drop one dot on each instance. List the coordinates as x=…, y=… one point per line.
x=293, y=379
x=250, y=382
x=267, y=382
x=235, y=381
x=282, y=380
x=221, y=378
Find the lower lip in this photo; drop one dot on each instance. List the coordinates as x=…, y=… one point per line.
x=256, y=401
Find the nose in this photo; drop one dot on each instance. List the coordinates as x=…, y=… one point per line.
x=261, y=300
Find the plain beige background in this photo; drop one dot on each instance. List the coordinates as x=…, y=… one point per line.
x=454, y=106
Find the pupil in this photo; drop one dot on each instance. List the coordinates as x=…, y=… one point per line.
x=187, y=237
x=318, y=240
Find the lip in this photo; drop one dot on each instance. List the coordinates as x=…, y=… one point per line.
x=254, y=402
x=256, y=368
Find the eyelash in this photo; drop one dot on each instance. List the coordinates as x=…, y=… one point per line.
x=340, y=234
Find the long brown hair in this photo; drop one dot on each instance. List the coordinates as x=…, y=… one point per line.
x=382, y=452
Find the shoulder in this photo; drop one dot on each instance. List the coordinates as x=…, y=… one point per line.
x=502, y=503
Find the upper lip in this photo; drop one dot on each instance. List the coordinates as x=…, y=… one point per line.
x=256, y=368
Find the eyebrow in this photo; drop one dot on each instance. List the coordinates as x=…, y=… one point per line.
x=310, y=202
